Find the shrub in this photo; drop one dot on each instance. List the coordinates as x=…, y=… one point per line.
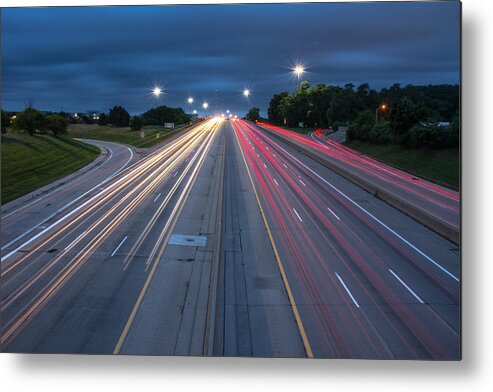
x=136, y=123
x=380, y=134
x=429, y=136
x=103, y=119
x=118, y=117
x=29, y=120
x=55, y=123
x=361, y=127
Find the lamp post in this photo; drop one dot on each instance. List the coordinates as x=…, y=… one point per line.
x=205, y=105
x=383, y=106
x=190, y=102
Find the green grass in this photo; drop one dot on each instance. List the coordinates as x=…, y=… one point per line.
x=442, y=166
x=30, y=162
x=153, y=135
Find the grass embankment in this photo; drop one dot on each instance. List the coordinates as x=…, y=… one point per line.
x=442, y=166
x=30, y=162
x=153, y=135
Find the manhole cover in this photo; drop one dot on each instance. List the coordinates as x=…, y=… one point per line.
x=187, y=240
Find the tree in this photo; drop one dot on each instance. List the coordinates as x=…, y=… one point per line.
x=136, y=123
x=253, y=114
x=6, y=116
x=273, y=112
x=56, y=124
x=118, y=117
x=404, y=114
x=454, y=129
x=29, y=120
x=322, y=105
x=320, y=97
x=103, y=119
x=361, y=127
x=163, y=114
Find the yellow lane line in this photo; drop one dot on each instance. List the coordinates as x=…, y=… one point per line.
x=301, y=328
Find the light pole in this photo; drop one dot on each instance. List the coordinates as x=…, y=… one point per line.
x=246, y=94
x=383, y=106
x=190, y=102
x=205, y=105
x=157, y=91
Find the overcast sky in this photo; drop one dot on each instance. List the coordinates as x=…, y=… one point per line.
x=92, y=58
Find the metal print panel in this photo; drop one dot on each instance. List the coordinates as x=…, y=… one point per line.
x=266, y=180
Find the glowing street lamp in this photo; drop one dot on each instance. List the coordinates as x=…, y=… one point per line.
x=246, y=92
x=157, y=91
x=205, y=105
x=383, y=107
x=194, y=112
x=190, y=102
x=298, y=70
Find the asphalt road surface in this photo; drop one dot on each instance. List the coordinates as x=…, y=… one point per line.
x=433, y=199
x=226, y=241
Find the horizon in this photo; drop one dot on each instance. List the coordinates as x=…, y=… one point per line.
x=116, y=55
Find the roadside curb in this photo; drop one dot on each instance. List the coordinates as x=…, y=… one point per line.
x=44, y=190
x=433, y=223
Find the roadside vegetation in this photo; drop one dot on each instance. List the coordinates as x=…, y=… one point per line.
x=39, y=147
x=414, y=127
x=30, y=162
x=152, y=134
x=442, y=166
x=140, y=131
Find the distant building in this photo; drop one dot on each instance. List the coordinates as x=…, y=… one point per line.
x=436, y=124
x=93, y=113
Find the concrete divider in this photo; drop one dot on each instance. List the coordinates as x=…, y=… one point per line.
x=434, y=223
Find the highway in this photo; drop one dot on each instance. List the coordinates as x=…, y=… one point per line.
x=435, y=200
x=368, y=281
x=72, y=286
x=20, y=220
x=226, y=241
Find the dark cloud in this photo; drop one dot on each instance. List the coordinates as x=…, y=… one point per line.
x=82, y=58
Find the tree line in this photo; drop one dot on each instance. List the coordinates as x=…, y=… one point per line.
x=412, y=116
x=32, y=120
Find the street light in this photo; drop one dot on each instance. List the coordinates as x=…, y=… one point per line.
x=194, y=112
x=246, y=92
x=157, y=91
x=383, y=106
x=298, y=70
x=190, y=102
x=205, y=105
